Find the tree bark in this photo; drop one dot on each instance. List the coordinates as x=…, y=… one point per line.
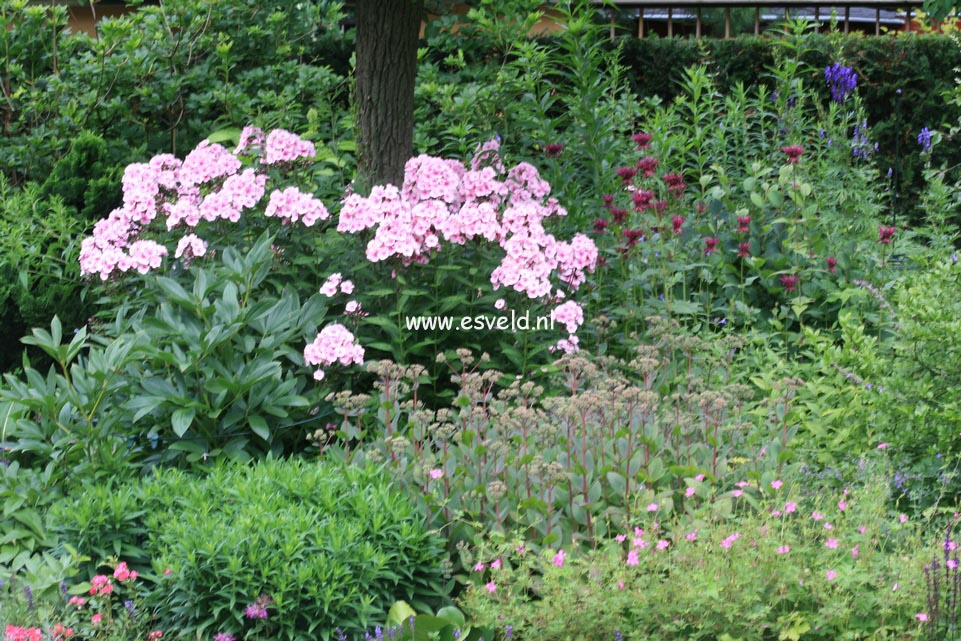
x=387, y=35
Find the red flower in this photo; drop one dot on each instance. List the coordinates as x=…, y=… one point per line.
x=647, y=165
x=744, y=224
x=678, y=222
x=710, y=245
x=832, y=264
x=700, y=208
x=619, y=215
x=675, y=183
x=790, y=282
x=885, y=235
x=793, y=153
x=626, y=173
x=642, y=139
x=744, y=250
x=633, y=236
x=553, y=150
x=600, y=225
x=608, y=201
x=642, y=199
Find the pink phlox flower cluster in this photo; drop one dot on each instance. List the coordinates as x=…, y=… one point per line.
x=283, y=146
x=251, y=140
x=291, y=205
x=334, y=344
x=190, y=246
x=488, y=155
x=206, y=163
x=123, y=573
x=333, y=283
x=430, y=178
x=101, y=585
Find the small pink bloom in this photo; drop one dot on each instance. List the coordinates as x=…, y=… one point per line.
x=436, y=474
x=479, y=567
x=952, y=564
x=842, y=505
x=828, y=526
x=632, y=559
x=491, y=587
x=663, y=544
x=831, y=575
x=620, y=538
x=776, y=513
x=817, y=516
x=895, y=588
x=689, y=492
x=500, y=303
x=691, y=536
x=921, y=616
x=831, y=543
x=855, y=551
x=558, y=559
x=883, y=446
x=742, y=484
x=790, y=507
x=496, y=564
x=620, y=585
x=737, y=493
x=784, y=549
x=903, y=518
x=699, y=478
x=652, y=507
x=95, y=619
x=862, y=530
x=777, y=484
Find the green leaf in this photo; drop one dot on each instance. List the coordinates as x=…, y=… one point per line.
x=259, y=426
x=182, y=419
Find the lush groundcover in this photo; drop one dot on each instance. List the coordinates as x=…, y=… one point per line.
x=696, y=379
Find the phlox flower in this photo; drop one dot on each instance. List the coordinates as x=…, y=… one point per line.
x=491, y=587
x=632, y=558
x=777, y=484
x=334, y=344
x=830, y=575
x=283, y=146
x=436, y=473
x=190, y=246
x=831, y=543
x=790, y=507
x=663, y=544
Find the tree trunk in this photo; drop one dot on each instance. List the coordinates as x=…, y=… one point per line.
x=387, y=35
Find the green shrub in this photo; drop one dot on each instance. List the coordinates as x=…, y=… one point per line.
x=322, y=546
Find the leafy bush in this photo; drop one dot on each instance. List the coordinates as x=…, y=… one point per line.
x=318, y=546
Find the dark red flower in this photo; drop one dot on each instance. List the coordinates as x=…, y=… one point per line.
x=675, y=183
x=608, y=200
x=660, y=206
x=710, y=245
x=790, y=282
x=885, y=235
x=642, y=199
x=744, y=224
x=700, y=208
x=647, y=165
x=626, y=173
x=600, y=225
x=744, y=250
x=678, y=222
x=554, y=149
x=642, y=139
x=793, y=153
x=832, y=264
x=618, y=215
x=633, y=236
